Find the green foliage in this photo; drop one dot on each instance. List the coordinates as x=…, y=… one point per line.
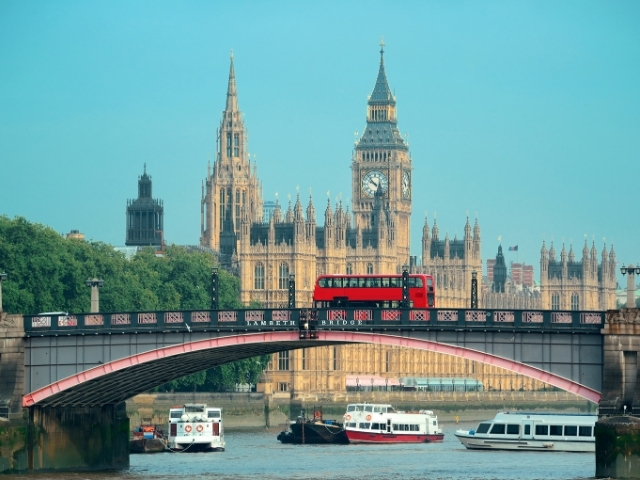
x=48, y=272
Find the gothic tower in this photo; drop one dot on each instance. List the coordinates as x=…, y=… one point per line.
x=233, y=186
x=381, y=163
x=145, y=216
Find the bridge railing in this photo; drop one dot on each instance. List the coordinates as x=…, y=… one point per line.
x=327, y=319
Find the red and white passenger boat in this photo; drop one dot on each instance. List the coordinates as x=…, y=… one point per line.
x=381, y=423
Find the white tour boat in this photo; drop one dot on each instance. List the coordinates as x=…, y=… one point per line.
x=195, y=427
x=381, y=423
x=557, y=432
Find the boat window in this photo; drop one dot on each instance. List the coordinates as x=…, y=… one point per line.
x=435, y=423
x=213, y=414
x=379, y=409
x=351, y=408
x=368, y=408
x=414, y=428
x=194, y=408
x=527, y=429
x=542, y=429
x=391, y=410
x=366, y=425
x=483, y=428
x=570, y=431
x=555, y=430
x=498, y=428
x=351, y=424
x=513, y=429
x=376, y=426
x=177, y=414
x=584, y=431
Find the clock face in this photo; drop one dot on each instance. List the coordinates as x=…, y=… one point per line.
x=406, y=185
x=372, y=181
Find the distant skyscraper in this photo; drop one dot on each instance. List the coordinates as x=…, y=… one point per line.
x=145, y=216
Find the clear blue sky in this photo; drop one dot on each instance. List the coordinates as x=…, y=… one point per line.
x=526, y=113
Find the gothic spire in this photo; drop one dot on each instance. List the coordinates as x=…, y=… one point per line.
x=381, y=92
x=232, y=94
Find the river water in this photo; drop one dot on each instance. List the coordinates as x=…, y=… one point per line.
x=258, y=455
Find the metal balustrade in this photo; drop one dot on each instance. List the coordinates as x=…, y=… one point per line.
x=366, y=319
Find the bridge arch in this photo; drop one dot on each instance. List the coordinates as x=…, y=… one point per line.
x=117, y=380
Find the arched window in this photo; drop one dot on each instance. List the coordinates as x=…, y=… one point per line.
x=555, y=302
x=258, y=276
x=369, y=268
x=283, y=276
x=349, y=269
x=575, y=301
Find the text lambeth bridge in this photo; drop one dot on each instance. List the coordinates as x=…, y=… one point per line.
x=74, y=370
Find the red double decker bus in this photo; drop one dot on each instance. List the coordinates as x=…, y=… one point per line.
x=378, y=291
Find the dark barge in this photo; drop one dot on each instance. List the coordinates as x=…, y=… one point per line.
x=313, y=430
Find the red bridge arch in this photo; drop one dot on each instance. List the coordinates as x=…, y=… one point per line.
x=120, y=379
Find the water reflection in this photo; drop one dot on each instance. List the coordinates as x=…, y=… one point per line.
x=257, y=454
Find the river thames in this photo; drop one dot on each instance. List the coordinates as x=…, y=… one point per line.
x=258, y=455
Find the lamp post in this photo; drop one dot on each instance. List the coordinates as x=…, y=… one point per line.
x=94, y=284
x=474, y=289
x=631, y=301
x=3, y=277
x=215, y=290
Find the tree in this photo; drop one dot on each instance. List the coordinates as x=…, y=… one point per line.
x=47, y=273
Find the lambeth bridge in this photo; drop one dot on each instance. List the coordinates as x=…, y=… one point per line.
x=97, y=359
x=71, y=373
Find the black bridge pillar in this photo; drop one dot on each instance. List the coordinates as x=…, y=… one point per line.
x=618, y=428
x=78, y=438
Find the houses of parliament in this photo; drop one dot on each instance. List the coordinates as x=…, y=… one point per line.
x=372, y=235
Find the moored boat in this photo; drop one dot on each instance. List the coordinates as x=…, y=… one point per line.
x=381, y=423
x=147, y=439
x=558, y=432
x=313, y=430
x=195, y=427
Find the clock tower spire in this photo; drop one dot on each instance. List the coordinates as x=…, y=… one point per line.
x=381, y=162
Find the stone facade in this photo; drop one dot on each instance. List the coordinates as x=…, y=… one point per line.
x=568, y=284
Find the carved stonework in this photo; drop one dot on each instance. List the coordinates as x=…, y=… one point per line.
x=624, y=315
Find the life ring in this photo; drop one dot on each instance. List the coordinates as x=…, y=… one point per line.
x=348, y=417
x=199, y=428
x=317, y=414
x=368, y=417
x=187, y=428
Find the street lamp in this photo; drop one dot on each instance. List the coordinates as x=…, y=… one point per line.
x=94, y=284
x=3, y=277
x=631, y=301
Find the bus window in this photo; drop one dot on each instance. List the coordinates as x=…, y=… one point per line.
x=385, y=281
x=395, y=282
x=322, y=282
x=375, y=282
x=369, y=282
x=337, y=282
x=419, y=283
x=351, y=282
x=362, y=282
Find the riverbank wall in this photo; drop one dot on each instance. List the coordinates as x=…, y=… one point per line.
x=255, y=410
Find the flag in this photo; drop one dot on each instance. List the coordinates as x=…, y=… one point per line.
x=513, y=249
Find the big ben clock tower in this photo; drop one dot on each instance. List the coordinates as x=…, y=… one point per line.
x=381, y=164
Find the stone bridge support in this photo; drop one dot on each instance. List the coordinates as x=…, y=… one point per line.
x=618, y=429
x=78, y=438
